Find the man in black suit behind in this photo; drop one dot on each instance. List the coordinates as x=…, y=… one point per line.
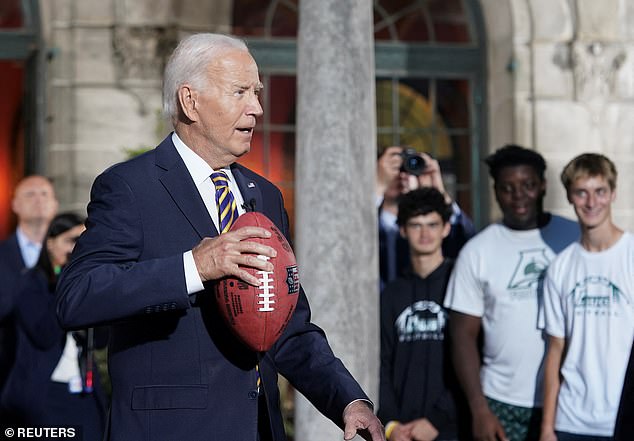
x=34, y=204
x=151, y=254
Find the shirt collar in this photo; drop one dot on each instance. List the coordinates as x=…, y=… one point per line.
x=197, y=167
x=24, y=241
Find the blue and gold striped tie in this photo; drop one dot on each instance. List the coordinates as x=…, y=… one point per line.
x=227, y=210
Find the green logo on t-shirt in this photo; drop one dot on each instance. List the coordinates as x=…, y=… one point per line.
x=595, y=294
x=529, y=270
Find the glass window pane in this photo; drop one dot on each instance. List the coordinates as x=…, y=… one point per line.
x=256, y=158
x=453, y=97
x=11, y=138
x=450, y=21
x=250, y=18
x=285, y=19
x=413, y=27
x=11, y=14
x=273, y=145
x=440, y=21
x=457, y=173
x=281, y=110
x=445, y=8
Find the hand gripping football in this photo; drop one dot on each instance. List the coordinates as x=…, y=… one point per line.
x=259, y=315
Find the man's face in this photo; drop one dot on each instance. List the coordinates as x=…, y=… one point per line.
x=229, y=105
x=425, y=233
x=592, y=197
x=519, y=191
x=402, y=183
x=34, y=200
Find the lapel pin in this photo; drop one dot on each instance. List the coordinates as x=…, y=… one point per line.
x=251, y=185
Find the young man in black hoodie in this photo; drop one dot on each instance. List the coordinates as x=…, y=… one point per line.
x=416, y=400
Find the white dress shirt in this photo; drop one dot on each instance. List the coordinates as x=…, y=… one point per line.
x=201, y=172
x=30, y=250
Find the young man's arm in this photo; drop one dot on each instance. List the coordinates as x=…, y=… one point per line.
x=464, y=330
x=552, y=382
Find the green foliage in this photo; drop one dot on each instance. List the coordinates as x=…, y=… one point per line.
x=160, y=130
x=131, y=153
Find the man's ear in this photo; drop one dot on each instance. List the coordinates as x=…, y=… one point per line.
x=446, y=229
x=188, y=100
x=402, y=231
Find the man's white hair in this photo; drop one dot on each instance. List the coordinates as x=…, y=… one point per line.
x=188, y=64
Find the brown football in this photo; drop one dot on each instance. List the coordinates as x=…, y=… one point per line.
x=259, y=315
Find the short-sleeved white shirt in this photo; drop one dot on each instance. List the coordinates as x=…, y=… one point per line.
x=589, y=301
x=498, y=277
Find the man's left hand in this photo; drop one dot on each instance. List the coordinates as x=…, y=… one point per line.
x=358, y=418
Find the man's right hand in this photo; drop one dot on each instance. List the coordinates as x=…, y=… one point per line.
x=487, y=427
x=229, y=254
x=388, y=168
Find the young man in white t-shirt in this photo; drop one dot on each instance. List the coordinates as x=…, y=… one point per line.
x=495, y=287
x=589, y=311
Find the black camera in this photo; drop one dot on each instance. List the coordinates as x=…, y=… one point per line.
x=413, y=163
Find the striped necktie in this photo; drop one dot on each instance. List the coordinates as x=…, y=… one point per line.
x=227, y=210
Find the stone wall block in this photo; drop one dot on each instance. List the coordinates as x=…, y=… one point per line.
x=207, y=16
x=93, y=55
x=60, y=127
x=145, y=12
x=552, y=20
x=555, y=192
x=61, y=171
x=94, y=11
x=523, y=120
x=599, y=20
x=61, y=10
x=563, y=125
x=553, y=75
x=522, y=32
x=62, y=63
x=624, y=84
x=109, y=120
x=522, y=69
x=627, y=20
x=617, y=121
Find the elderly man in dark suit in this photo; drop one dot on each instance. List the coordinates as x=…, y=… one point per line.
x=152, y=252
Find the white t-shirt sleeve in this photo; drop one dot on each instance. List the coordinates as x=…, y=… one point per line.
x=465, y=292
x=553, y=306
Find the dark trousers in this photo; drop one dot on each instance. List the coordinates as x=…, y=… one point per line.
x=566, y=436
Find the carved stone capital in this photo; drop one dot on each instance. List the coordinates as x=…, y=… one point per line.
x=595, y=66
x=140, y=52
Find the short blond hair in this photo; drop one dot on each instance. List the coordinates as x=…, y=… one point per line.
x=589, y=165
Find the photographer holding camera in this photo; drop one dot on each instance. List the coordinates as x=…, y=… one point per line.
x=399, y=171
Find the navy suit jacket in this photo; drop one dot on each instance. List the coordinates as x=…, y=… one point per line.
x=177, y=371
x=12, y=267
x=39, y=345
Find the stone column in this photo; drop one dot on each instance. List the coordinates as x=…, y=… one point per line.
x=336, y=227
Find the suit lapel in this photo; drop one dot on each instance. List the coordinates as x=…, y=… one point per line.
x=179, y=184
x=249, y=189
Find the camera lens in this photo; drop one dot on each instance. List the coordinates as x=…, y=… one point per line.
x=413, y=163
